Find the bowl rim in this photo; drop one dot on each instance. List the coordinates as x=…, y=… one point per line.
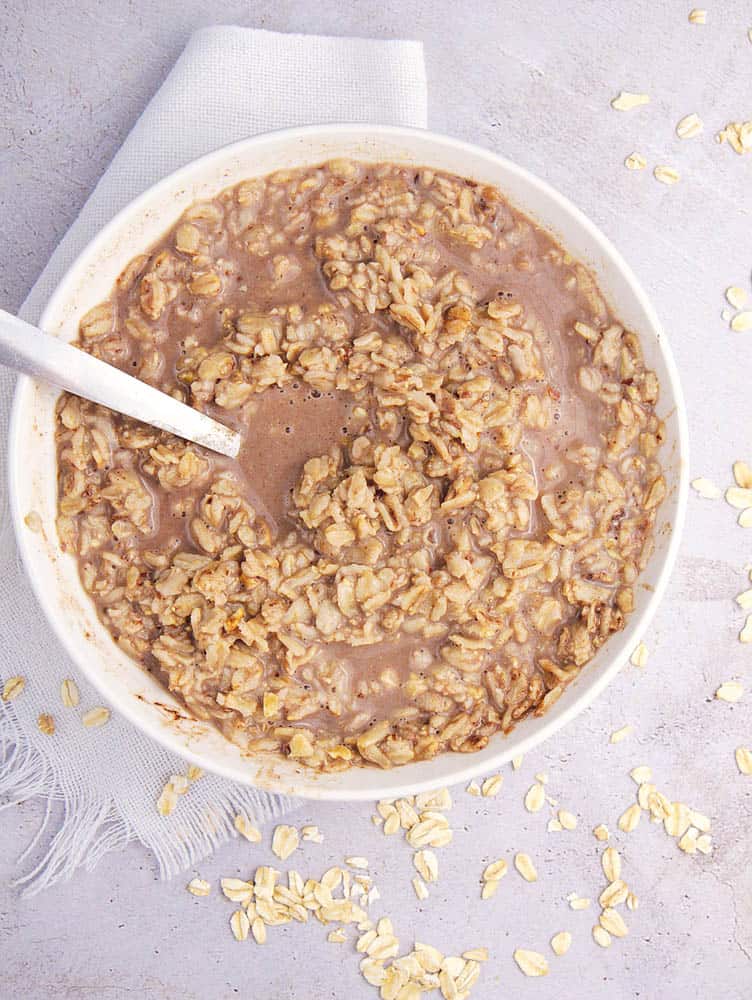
x=472, y=766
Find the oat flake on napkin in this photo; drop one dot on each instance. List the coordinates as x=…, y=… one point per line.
x=102, y=785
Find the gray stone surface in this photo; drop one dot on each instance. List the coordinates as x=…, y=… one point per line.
x=532, y=80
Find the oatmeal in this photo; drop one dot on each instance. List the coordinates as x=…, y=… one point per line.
x=448, y=484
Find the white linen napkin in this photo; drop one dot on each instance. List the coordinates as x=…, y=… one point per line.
x=101, y=785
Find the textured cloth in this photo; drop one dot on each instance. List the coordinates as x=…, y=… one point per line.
x=101, y=785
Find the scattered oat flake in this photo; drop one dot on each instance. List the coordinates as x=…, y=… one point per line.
x=407, y=814
x=729, y=691
x=601, y=936
x=577, y=902
x=285, y=840
x=532, y=963
x=391, y=824
x=46, y=724
x=738, y=135
x=567, y=819
x=495, y=871
x=337, y=937
x=611, y=864
x=626, y=100
x=745, y=518
x=688, y=843
x=194, y=773
x=742, y=321
x=614, y=894
x=706, y=488
x=561, y=943
x=666, y=174
x=659, y=806
x=641, y=774
x=554, y=826
x=704, y=843
x=357, y=862
x=236, y=890
x=744, y=759
x=639, y=655
x=600, y=832
x=744, y=600
x=167, y=800
x=312, y=834
x=742, y=475
x=427, y=865
x=524, y=865
x=246, y=829
x=746, y=633
x=699, y=820
x=440, y=798
x=385, y=808
x=613, y=922
x=535, y=798
x=632, y=901
x=698, y=15
x=476, y=955
x=13, y=688
x=69, y=693
x=95, y=717
x=491, y=786
x=689, y=126
x=489, y=888
x=635, y=161
x=371, y=896
x=432, y=831
x=258, y=929
x=517, y=762
x=677, y=820
x=644, y=793
x=630, y=818
x=420, y=887
x=621, y=734
x=199, y=887
x=474, y=788
x=240, y=925
x=180, y=783
x=736, y=297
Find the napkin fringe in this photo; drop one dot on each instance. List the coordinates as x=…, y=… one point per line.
x=91, y=828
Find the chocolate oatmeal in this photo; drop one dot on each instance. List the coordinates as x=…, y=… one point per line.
x=448, y=484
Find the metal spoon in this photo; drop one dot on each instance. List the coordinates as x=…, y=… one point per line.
x=27, y=349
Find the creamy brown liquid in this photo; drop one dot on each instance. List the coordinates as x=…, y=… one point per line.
x=288, y=426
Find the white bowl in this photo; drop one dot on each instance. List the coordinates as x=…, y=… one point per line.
x=54, y=575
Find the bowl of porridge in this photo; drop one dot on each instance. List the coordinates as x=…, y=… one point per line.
x=462, y=479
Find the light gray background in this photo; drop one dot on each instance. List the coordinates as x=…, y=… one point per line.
x=531, y=80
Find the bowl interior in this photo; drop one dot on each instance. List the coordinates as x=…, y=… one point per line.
x=121, y=681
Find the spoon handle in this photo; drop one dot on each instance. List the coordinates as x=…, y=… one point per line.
x=27, y=349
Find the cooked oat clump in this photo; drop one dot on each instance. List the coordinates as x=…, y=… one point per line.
x=449, y=480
